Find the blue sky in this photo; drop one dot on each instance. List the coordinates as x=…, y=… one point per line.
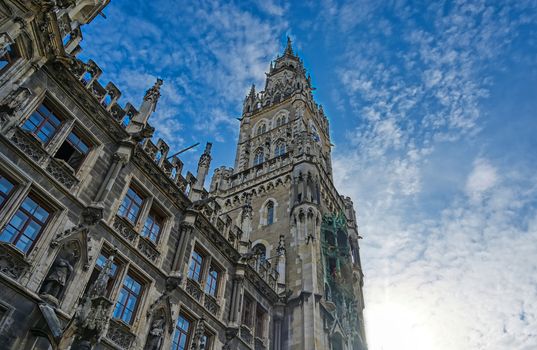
x=432, y=111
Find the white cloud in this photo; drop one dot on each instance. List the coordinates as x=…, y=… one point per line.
x=482, y=178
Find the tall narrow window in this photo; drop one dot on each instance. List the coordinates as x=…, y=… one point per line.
x=211, y=285
x=129, y=298
x=43, y=123
x=194, y=269
x=26, y=225
x=9, y=56
x=261, y=129
x=261, y=252
x=270, y=213
x=6, y=186
x=152, y=227
x=131, y=205
x=279, y=150
x=260, y=322
x=247, y=311
x=73, y=150
x=181, y=336
x=259, y=157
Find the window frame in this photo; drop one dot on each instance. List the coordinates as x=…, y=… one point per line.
x=53, y=110
x=209, y=279
x=160, y=223
x=181, y=331
x=12, y=59
x=200, y=265
x=37, y=199
x=7, y=196
x=88, y=143
x=259, y=157
x=141, y=194
x=138, y=300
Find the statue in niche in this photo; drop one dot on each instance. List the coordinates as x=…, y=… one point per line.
x=58, y=275
x=156, y=334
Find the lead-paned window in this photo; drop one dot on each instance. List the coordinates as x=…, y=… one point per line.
x=128, y=300
x=152, y=227
x=196, y=264
x=211, y=285
x=43, y=123
x=131, y=206
x=181, y=336
x=26, y=224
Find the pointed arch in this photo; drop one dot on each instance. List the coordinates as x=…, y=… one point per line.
x=259, y=156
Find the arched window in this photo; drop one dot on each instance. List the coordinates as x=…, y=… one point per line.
x=259, y=157
x=261, y=129
x=270, y=213
x=280, y=149
x=261, y=252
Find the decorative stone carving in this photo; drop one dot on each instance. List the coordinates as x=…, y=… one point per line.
x=121, y=336
x=28, y=145
x=153, y=93
x=12, y=104
x=91, y=319
x=62, y=172
x=246, y=334
x=193, y=289
x=12, y=262
x=148, y=249
x=211, y=304
x=156, y=334
x=124, y=228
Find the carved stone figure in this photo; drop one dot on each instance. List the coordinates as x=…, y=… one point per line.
x=11, y=105
x=58, y=275
x=156, y=334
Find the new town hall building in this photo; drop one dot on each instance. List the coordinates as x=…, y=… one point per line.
x=106, y=242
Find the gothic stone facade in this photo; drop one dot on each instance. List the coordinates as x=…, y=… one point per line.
x=106, y=243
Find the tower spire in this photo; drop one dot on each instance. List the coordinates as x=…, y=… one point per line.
x=289, y=49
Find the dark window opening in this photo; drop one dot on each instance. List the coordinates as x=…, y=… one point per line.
x=73, y=151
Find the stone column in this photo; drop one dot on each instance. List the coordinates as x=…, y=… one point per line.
x=119, y=160
x=186, y=233
x=236, y=298
x=278, y=319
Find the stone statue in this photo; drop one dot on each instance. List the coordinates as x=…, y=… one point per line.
x=57, y=277
x=156, y=334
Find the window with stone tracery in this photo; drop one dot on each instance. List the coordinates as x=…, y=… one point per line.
x=280, y=149
x=259, y=157
x=261, y=129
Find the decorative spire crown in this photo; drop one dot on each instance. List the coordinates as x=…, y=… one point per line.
x=289, y=49
x=153, y=94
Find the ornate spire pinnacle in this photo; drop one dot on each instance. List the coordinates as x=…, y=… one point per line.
x=252, y=91
x=153, y=94
x=289, y=49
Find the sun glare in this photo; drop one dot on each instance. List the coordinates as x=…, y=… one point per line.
x=395, y=326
